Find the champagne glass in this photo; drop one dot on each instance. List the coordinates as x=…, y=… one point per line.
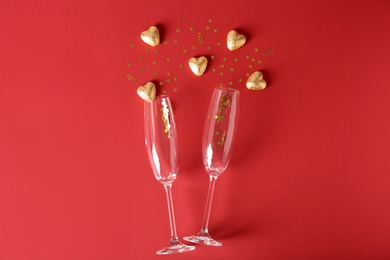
x=161, y=145
x=217, y=146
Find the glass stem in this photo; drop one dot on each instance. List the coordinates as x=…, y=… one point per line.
x=171, y=212
x=210, y=194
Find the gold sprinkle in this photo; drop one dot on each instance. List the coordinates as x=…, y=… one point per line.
x=247, y=57
x=221, y=73
x=221, y=85
x=200, y=37
x=259, y=61
x=184, y=51
x=175, y=90
x=156, y=74
x=212, y=57
x=209, y=47
x=132, y=45
x=235, y=60
x=175, y=78
x=147, y=49
x=215, y=30
x=207, y=27
x=191, y=29
x=222, y=66
x=193, y=47
x=256, y=50
x=141, y=58
x=168, y=74
x=165, y=42
x=219, y=43
x=253, y=59
x=175, y=41
x=250, y=66
x=214, y=69
x=161, y=83
x=248, y=74
x=143, y=69
x=168, y=59
x=177, y=30
x=168, y=80
x=217, y=132
x=164, y=91
x=210, y=20
x=240, y=80
x=181, y=65
x=224, y=59
x=154, y=62
x=129, y=64
x=156, y=52
x=231, y=69
x=231, y=83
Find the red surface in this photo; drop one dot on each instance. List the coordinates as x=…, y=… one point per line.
x=309, y=178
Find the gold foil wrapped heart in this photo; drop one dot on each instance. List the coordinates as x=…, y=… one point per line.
x=198, y=65
x=235, y=40
x=151, y=36
x=256, y=81
x=147, y=92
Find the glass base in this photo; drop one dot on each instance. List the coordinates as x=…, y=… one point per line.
x=203, y=238
x=175, y=247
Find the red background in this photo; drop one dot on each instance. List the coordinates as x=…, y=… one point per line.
x=309, y=178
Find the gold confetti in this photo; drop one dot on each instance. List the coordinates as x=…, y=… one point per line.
x=181, y=65
x=200, y=37
x=231, y=69
x=210, y=20
x=184, y=50
x=214, y=69
x=168, y=59
x=164, y=91
x=132, y=45
x=129, y=64
x=175, y=90
x=221, y=73
x=177, y=30
x=147, y=50
x=221, y=85
x=231, y=83
x=154, y=62
x=207, y=27
x=212, y=57
x=156, y=74
x=222, y=66
x=156, y=52
x=247, y=74
x=193, y=47
x=208, y=47
x=259, y=61
x=215, y=30
x=143, y=69
x=239, y=80
x=250, y=66
x=256, y=50
x=165, y=42
x=175, y=78
x=131, y=77
x=168, y=80
x=247, y=57
x=235, y=60
x=168, y=74
x=217, y=132
x=161, y=83
x=175, y=41
x=191, y=29
x=224, y=59
x=141, y=58
x=253, y=59
x=219, y=43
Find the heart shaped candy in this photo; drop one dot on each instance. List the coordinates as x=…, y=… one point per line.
x=151, y=36
x=235, y=40
x=147, y=92
x=256, y=81
x=198, y=65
